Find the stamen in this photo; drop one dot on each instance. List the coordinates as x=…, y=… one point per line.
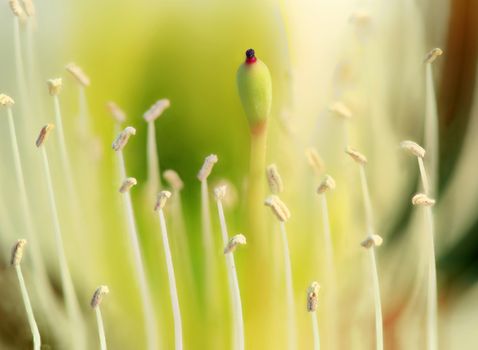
x=78, y=74
x=178, y=328
x=220, y=192
x=373, y=240
x=314, y=160
x=17, y=252
x=55, y=86
x=116, y=112
x=274, y=179
x=29, y=7
x=122, y=139
x=356, y=156
x=340, y=110
x=6, y=101
x=155, y=111
x=44, y=132
x=230, y=246
x=278, y=207
x=163, y=197
x=128, y=184
x=17, y=9
x=328, y=183
x=312, y=297
x=173, y=179
x=423, y=199
x=98, y=296
x=207, y=167
x=432, y=55
x=413, y=147
x=234, y=242
x=231, y=198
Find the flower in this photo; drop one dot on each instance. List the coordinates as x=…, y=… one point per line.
x=365, y=62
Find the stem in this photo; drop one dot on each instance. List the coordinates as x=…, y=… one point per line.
x=6, y=225
x=178, y=223
x=423, y=175
x=329, y=250
x=432, y=308
x=377, y=302
x=291, y=327
x=154, y=180
x=366, y=201
x=84, y=111
x=373, y=263
x=182, y=246
x=345, y=127
x=65, y=162
x=101, y=328
x=206, y=219
x=256, y=184
x=432, y=313
x=19, y=66
x=315, y=329
x=30, y=51
x=148, y=310
x=29, y=310
x=208, y=243
x=178, y=332
x=61, y=140
x=431, y=128
x=71, y=302
x=233, y=284
x=331, y=296
x=35, y=252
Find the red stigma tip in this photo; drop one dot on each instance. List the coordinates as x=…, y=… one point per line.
x=251, y=60
x=250, y=56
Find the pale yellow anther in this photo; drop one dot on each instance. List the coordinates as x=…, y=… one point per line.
x=231, y=196
x=128, y=184
x=6, y=101
x=78, y=74
x=314, y=160
x=116, y=112
x=423, y=200
x=234, y=242
x=54, y=86
x=328, y=183
x=356, y=156
x=274, y=179
x=278, y=207
x=98, y=296
x=207, y=167
x=313, y=297
x=372, y=241
x=44, y=133
x=173, y=179
x=340, y=110
x=122, y=139
x=413, y=147
x=432, y=55
x=156, y=110
x=220, y=192
x=161, y=200
x=17, y=9
x=17, y=252
x=29, y=7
